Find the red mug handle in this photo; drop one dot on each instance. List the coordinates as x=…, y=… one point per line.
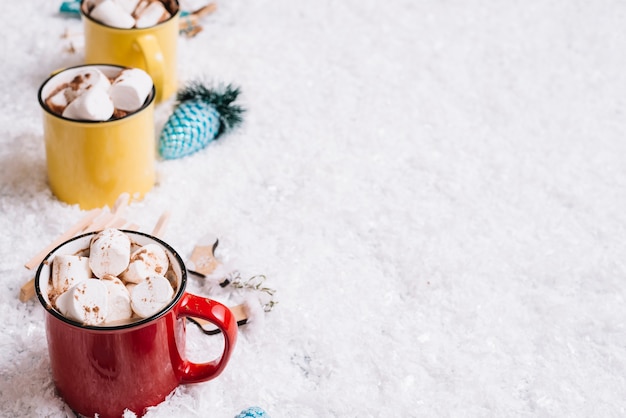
x=220, y=316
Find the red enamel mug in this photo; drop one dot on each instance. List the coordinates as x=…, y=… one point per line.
x=105, y=370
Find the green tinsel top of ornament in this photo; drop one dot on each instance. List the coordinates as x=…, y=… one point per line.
x=222, y=98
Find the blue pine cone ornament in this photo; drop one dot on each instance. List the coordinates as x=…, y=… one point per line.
x=253, y=412
x=201, y=115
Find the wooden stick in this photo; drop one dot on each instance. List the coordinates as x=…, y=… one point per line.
x=191, y=20
x=190, y=33
x=159, y=228
x=74, y=230
x=118, y=223
x=28, y=290
x=238, y=310
x=121, y=204
x=208, y=9
x=100, y=223
x=67, y=34
x=131, y=227
x=114, y=220
x=187, y=24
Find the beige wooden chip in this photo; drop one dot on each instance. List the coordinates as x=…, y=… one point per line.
x=203, y=259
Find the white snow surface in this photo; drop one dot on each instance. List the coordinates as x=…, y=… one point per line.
x=436, y=190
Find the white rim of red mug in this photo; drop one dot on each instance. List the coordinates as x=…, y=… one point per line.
x=182, y=282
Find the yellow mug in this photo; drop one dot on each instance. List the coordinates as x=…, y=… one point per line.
x=152, y=49
x=90, y=163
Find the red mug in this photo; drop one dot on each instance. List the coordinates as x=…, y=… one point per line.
x=105, y=370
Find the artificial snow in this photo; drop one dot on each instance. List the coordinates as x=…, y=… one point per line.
x=436, y=190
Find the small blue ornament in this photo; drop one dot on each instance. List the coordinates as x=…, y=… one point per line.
x=252, y=412
x=201, y=116
x=70, y=7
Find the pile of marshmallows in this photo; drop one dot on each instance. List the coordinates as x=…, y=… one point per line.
x=91, y=95
x=112, y=284
x=127, y=14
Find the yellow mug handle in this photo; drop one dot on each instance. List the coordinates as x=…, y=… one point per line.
x=151, y=51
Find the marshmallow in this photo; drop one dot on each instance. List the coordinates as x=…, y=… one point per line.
x=90, y=4
x=109, y=253
x=118, y=299
x=58, y=101
x=130, y=89
x=84, y=80
x=127, y=5
x=141, y=6
x=130, y=287
x=85, y=302
x=149, y=260
x=112, y=14
x=94, y=104
x=151, y=295
x=151, y=15
x=68, y=270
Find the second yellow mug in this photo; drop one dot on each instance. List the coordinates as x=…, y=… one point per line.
x=91, y=163
x=153, y=49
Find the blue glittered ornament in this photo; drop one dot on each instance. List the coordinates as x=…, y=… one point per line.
x=201, y=115
x=252, y=412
